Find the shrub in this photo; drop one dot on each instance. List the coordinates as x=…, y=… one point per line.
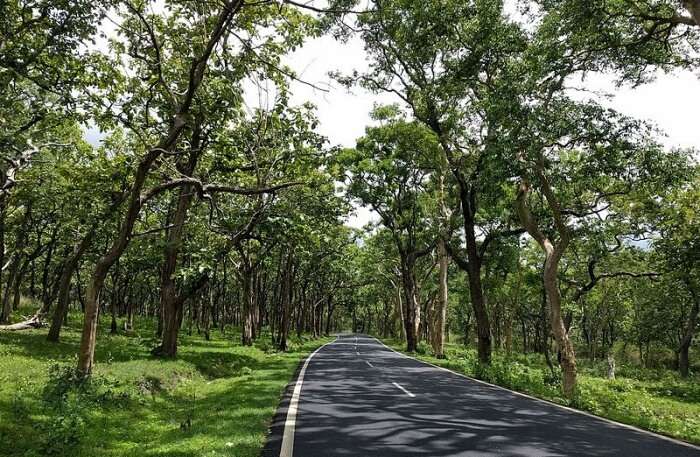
x=63, y=432
x=265, y=345
x=68, y=399
x=551, y=378
x=18, y=405
x=423, y=348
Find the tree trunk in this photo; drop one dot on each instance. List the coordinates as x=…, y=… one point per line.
x=509, y=332
x=207, y=305
x=16, y=292
x=170, y=303
x=89, y=336
x=248, y=305
x=286, y=303
x=568, y=358
x=693, y=7
x=113, y=324
x=46, y=289
x=553, y=255
x=3, y=204
x=441, y=311
x=611, y=365
x=329, y=316
x=684, y=348
x=409, y=288
x=15, y=263
x=173, y=313
x=6, y=303
x=399, y=311
x=476, y=292
x=129, y=321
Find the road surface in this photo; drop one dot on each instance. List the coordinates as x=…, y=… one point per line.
x=359, y=398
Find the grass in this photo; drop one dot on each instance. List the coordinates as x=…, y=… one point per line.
x=656, y=400
x=216, y=399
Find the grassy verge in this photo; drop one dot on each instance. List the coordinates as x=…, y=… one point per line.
x=215, y=399
x=657, y=400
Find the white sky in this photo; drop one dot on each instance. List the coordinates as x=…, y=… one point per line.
x=671, y=102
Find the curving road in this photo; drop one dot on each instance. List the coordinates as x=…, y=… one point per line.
x=359, y=398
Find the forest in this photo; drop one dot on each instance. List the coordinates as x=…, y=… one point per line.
x=174, y=231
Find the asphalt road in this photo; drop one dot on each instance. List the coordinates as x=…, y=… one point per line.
x=359, y=398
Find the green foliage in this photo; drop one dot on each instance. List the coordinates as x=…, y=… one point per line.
x=423, y=348
x=631, y=39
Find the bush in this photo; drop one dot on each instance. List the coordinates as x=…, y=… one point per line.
x=95, y=390
x=62, y=399
x=63, y=432
x=264, y=345
x=551, y=378
x=423, y=348
x=68, y=399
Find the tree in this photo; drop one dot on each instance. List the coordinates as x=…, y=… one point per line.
x=582, y=159
x=176, y=116
x=443, y=61
x=390, y=172
x=41, y=63
x=676, y=242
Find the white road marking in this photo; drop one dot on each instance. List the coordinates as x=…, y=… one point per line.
x=577, y=411
x=367, y=362
x=404, y=390
x=287, y=449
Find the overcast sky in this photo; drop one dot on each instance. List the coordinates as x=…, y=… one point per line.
x=671, y=102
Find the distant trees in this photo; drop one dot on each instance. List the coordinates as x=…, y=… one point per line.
x=678, y=247
x=390, y=171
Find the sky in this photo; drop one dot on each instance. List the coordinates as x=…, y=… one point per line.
x=671, y=101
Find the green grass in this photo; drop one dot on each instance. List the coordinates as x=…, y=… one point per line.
x=657, y=400
x=216, y=399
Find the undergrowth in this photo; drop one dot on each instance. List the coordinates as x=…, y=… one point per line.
x=215, y=399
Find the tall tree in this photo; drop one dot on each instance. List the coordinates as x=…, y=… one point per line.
x=389, y=171
x=176, y=114
x=442, y=60
x=580, y=159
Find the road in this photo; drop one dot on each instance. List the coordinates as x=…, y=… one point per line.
x=359, y=398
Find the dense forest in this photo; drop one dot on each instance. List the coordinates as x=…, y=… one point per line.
x=156, y=174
